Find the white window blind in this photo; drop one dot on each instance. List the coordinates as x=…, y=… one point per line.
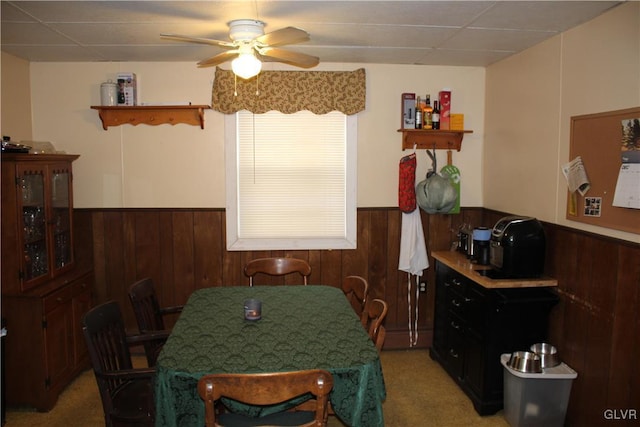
x=293, y=186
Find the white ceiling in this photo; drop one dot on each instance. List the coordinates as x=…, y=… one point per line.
x=468, y=33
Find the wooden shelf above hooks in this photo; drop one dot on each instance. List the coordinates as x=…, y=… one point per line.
x=424, y=139
x=151, y=115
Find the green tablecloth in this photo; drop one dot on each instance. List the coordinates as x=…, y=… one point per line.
x=302, y=327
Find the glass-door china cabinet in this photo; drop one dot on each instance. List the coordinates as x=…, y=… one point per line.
x=45, y=292
x=44, y=201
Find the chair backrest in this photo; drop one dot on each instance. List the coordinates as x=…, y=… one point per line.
x=372, y=317
x=146, y=308
x=266, y=389
x=356, y=289
x=277, y=267
x=104, y=332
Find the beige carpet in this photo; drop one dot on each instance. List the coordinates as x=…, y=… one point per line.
x=419, y=394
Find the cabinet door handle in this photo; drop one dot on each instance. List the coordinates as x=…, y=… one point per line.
x=454, y=325
x=453, y=353
x=455, y=303
x=456, y=282
x=468, y=300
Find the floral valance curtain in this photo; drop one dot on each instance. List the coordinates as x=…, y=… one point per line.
x=290, y=91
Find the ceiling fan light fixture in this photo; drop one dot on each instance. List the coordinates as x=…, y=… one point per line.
x=246, y=65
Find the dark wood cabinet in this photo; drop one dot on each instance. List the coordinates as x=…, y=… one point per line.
x=44, y=347
x=474, y=325
x=44, y=294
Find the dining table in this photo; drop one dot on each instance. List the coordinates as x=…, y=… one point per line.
x=300, y=327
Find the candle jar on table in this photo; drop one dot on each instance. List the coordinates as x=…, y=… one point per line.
x=252, y=309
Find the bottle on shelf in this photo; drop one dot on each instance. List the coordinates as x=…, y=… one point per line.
x=418, y=114
x=427, y=112
x=435, y=116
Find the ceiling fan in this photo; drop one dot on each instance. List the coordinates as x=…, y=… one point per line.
x=249, y=46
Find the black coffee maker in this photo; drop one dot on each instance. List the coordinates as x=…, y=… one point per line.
x=517, y=248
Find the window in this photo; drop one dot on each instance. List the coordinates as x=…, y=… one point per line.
x=290, y=180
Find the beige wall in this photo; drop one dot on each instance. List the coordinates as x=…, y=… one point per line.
x=531, y=98
x=15, y=117
x=183, y=166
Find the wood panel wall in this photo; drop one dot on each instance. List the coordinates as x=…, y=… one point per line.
x=184, y=249
x=595, y=326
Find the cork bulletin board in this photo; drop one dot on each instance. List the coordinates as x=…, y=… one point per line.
x=598, y=140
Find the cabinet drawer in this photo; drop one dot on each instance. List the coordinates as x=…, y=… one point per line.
x=475, y=309
x=455, y=353
x=456, y=302
x=58, y=298
x=455, y=325
x=80, y=286
x=455, y=282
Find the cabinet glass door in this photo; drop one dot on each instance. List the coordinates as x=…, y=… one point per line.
x=61, y=217
x=34, y=225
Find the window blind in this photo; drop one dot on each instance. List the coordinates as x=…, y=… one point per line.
x=291, y=175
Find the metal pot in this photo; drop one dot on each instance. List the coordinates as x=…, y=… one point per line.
x=548, y=354
x=525, y=361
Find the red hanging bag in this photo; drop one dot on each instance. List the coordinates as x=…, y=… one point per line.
x=407, y=183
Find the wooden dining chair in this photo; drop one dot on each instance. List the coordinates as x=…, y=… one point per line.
x=126, y=392
x=356, y=289
x=372, y=317
x=277, y=267
x=267, y=389
x=149, y=315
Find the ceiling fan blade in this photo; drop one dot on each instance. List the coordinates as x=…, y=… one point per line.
x=218, y=59
x=196, y=40
x=288, y=35
x=294, y=58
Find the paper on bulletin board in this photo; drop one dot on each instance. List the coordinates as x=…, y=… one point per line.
x=627, y=193
x=576, y=176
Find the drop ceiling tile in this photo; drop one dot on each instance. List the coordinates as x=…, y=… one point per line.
x=31, y=34
x=376, y=35
x=541, y=15
x=144, y=33
x=59, y=54
x=482, y=39
x=463, y=58
x=155, y=53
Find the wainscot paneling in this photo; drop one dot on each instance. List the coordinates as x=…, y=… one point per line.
x=595, y=326
x=184, y=249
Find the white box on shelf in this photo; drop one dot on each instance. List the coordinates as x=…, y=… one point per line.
x=127, y=89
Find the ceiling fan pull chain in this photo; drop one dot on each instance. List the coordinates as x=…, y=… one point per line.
x=235, y=85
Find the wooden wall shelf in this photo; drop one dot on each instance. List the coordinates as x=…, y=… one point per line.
x=427, y=139
x=151, y=114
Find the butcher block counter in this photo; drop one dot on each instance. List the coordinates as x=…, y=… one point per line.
x=477, y=318
x=460, y=263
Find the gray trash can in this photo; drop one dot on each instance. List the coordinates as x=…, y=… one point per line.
x=536, y=399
